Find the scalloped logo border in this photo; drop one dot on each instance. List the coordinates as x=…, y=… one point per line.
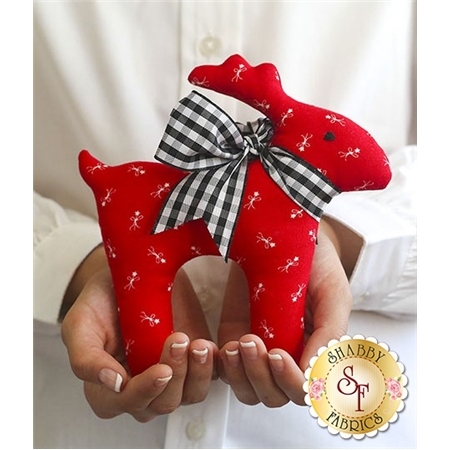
x=355, y=387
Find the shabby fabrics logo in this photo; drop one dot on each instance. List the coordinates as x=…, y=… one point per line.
x=355, y=387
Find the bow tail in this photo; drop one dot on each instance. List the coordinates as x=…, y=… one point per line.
x=212, y=195
x=303, y=183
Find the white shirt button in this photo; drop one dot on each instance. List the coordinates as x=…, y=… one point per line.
x=209, y=45
x=195, y=429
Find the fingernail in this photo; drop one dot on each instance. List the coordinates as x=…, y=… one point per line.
x=162, y=381
x=276, y=362
x=200, y=356
x=178, y=349
x=111, y=379
x=232, y=352
x=249, y=349
x=233, y=357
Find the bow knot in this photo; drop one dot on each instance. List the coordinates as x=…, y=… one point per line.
x=257, y=136
x=204, y=140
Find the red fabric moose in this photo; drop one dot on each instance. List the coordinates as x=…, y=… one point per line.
x=253, y=193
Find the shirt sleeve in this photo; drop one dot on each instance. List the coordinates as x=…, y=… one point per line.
x=384, y=279
x=61, y=240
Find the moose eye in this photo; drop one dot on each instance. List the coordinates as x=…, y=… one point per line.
x=328, y=136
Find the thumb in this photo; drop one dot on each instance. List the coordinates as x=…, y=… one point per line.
x=331, y=305
x=91, y=334
x=89, y=360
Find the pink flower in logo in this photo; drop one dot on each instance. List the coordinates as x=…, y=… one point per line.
x=316, y=389
x=394, y=388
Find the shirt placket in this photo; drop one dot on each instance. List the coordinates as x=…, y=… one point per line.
x=202, y=425
x=210, y=33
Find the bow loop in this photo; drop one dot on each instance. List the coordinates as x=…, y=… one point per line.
x=202, y=139
x=199, y=136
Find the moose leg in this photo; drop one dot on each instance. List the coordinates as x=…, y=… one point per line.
x=277, y=279
x=144, y=289
x=277, y=310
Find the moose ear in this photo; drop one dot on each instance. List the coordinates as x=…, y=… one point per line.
x=88, y=165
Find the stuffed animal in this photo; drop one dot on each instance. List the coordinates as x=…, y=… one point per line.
x=253, y=193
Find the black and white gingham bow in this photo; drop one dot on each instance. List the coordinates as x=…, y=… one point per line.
x=202, y=139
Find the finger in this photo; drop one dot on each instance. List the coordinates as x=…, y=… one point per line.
x=235, y=317
x=255, y=361
x=175, y=355
x=200, y=371
x=232, y=371
x=287, y=375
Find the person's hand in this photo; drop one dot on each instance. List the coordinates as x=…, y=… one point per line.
x=91, y=334
x=274, y=378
